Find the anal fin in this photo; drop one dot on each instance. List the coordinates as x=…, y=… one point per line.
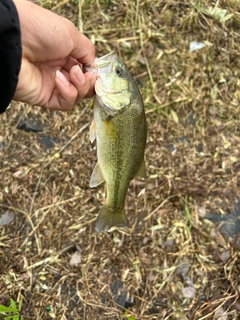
x=142, y=171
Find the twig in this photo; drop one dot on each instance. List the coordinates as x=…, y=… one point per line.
x=161, y=204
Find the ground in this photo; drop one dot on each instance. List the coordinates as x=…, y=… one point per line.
x=179, y=259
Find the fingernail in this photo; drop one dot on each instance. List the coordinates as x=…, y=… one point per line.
x=79, y=74
x=61, y=77
x=92, y=76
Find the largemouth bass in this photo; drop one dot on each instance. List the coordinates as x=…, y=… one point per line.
x=120, y=129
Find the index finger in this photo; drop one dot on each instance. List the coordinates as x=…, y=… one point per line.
x=83, y=49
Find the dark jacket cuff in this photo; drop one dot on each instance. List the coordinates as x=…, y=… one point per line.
x=10, y=52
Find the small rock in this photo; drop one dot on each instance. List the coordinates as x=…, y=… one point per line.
x=194, y=45
x=121, y=297
x=18, y=174
x=191, y=119
x=49, y=142
x=29, y=126
x=169, y=243
x=76, y=259
x=183, y=269
x=229, y=223
x=225, y=255
x=201, y=211
x=189, y=292
x=7, y=217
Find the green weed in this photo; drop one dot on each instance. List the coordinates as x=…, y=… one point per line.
x=12, y=312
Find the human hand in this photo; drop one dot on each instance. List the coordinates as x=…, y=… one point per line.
x=52, y=50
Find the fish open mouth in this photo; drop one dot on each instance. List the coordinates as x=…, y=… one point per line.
x=103, y=62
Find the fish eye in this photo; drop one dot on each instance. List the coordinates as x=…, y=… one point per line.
x=119, y=71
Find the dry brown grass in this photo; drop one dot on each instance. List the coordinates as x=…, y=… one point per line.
x=170, y=252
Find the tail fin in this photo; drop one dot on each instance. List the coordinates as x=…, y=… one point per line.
x=107, y=219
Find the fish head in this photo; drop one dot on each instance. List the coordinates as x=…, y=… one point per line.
x=114, y=85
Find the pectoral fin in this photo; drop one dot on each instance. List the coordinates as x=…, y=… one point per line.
x=142, y=171
x=93, y=131
x=96, y=177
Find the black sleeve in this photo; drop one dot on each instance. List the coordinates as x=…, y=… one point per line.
x=10, y=52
